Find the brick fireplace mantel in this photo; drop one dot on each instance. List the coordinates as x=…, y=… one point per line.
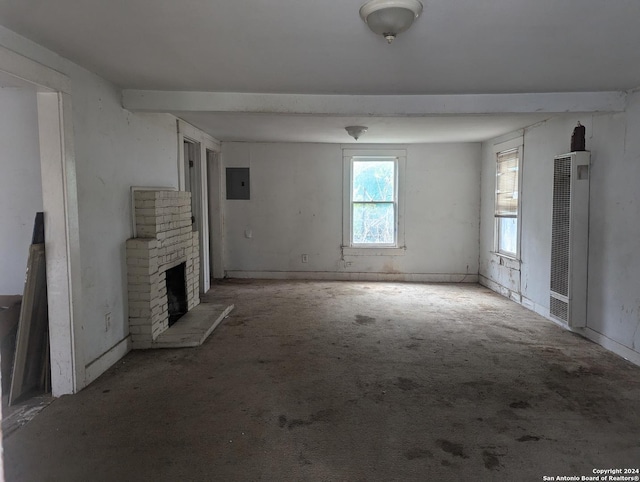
x=165, y=240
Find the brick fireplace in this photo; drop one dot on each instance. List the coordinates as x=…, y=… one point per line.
x=164, y=240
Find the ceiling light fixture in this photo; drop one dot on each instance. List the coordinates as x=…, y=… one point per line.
x=390, y=17
x=356, y=131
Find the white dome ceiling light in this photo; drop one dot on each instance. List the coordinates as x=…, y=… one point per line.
x=356, y=131
x=390, y=17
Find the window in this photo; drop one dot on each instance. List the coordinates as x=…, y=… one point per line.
x=506, y=201
x=373, y=201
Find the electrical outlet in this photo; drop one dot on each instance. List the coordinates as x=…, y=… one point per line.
x=305, y=258
x=107, y=321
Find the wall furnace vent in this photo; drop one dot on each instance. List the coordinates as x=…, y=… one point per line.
x=570, y=239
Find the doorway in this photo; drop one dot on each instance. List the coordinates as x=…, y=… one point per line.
x=198, y=167
x=60, y=207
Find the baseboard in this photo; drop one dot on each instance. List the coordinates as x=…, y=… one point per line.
x=498, y=288
x=109, y=358
x=533, y=306
x=342, y=276
x=611, y=345
x=602, y=340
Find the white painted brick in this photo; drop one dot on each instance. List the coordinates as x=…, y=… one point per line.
x=142, y=253
x=140, y=330
x=145, y=204
x=141, y=270
x=142, y=262
x=147, y=194
x=140, y=287
x=148, y=211
x=138, y=320
x=141, y=243
x=156, y=318
x=138, y=293
x=139, y=312
x=141, y=305
x=141, y=279
x=146, y=231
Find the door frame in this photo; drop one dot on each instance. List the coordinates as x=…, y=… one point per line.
x=60, y=206
x=216, y=220
x=189, y=133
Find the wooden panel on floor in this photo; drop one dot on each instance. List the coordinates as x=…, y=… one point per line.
x=32, y=328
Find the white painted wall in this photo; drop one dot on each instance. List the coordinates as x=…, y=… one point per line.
x=613, y=316
x=20, y=184
x=114, y=149
x=296, y=208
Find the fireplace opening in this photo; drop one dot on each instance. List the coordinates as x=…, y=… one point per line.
x=176, y=293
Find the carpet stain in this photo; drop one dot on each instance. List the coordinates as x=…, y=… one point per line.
x=407, y=384
x=457, y=450
x=365, y=320
x=418, y=453
x=320, y=416
x=303, y=460
x=297, y=422
x=491, y=462
x=528, y=438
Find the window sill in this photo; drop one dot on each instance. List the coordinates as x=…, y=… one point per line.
x=373, y=251
x=507, y=260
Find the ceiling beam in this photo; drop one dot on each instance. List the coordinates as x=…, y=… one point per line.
x=32, y=73
x=372, y=105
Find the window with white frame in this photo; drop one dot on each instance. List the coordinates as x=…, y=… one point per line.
x=507, y=201
x=373, y=201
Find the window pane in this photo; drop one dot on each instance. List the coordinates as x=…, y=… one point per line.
x=373, y=180
x=508, y=235
x=374, y=223
x=507, y=183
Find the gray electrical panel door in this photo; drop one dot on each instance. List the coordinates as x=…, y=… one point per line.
x=238, y=183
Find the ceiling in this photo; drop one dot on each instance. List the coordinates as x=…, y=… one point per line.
x=323, y=47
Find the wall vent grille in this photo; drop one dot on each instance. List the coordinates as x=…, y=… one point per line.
x=559, y=309
x=561, y=224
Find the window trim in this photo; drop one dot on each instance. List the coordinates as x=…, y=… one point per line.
x=348, y=247
x=516, y=143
